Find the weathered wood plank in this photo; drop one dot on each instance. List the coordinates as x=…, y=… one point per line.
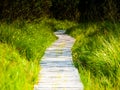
x=57, y=69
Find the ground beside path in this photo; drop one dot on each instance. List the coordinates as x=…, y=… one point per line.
x=57, y=69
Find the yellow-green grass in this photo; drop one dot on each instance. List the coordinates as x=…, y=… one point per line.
x=96, y=54
x=16, y=73
x=59, y=24
x=22, y=44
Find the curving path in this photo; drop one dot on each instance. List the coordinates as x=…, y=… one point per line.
x=57, y=69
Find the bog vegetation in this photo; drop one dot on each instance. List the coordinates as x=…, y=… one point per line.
x=21, y=47
x=26, y=30
x=96, y=54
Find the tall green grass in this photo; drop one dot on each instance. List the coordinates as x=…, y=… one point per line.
x=96, y=54
x=16, y=73
x=28, y=38
x=22, y=44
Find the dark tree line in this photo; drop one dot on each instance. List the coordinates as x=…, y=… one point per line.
x=80, y=10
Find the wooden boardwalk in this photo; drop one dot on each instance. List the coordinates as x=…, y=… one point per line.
x=57, y=69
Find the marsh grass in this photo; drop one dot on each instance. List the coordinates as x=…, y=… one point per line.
x=16, y=73
x=28, y=38
x=22, y=44
x=96, y=54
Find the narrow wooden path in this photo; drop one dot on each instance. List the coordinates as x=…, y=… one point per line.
x=57, y=69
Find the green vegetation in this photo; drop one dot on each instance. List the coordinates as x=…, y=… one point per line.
x=79, y=10
x=96, y=54
x=16, y=73
x=22, y=44
x=26, y=31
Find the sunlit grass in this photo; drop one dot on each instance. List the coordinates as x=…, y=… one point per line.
x=16, y=73
x=96, y=54
x=22, y=44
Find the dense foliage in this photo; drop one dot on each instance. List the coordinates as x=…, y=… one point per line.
x=80, y=10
